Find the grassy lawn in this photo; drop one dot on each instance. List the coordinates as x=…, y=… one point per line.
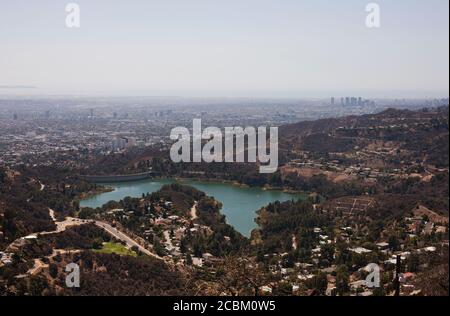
x=119, y=249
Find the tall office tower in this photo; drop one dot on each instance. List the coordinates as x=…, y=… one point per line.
x=342, y=101
x=360, y=101
x=332, y=101
x=347, y=101
x=92, y=113
x=47, y=114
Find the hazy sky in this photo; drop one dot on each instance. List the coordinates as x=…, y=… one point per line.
x=226, y=47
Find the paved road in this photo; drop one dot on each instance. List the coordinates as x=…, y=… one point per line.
x=62, y=226
x=121, y=236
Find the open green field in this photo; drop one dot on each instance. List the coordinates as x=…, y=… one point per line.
x=117, y=248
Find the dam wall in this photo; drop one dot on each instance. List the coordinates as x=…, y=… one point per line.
x=117, y=178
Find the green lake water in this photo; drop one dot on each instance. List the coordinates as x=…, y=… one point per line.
x=239, y=203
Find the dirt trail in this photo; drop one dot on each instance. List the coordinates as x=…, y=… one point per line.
x=194, y=211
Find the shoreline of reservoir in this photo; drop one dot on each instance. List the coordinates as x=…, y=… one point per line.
x=240, y=203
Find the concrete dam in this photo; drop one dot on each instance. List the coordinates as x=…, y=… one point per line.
x=118, y=178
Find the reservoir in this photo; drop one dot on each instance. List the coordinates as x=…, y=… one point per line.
x=239, y=203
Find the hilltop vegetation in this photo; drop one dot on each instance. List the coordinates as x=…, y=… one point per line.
x=424, y=134
x=378, y=188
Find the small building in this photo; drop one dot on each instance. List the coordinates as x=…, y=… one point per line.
x=207, y=256
x=360, y=250
x=383, y=246
x=266, y=289
x=331, y=290
x=168, y=204
x=366, y=293
x=198, y=262
x=430, y=249
x=6, y=258
x=428, y=229
x=305, y=277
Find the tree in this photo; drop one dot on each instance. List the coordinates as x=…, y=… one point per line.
x=379, y=291
x=413, y=263
x=37, y=285
x=97, y=243
x=288, y=261
x=238, y=276
x=342, y=280
x=158, y=247
x=327, y=252
x=188, y=259
x=53, y=270
x=135, y=249
x=183, y=246
x=283, y=289
x=321, y=283
x=393, y=243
